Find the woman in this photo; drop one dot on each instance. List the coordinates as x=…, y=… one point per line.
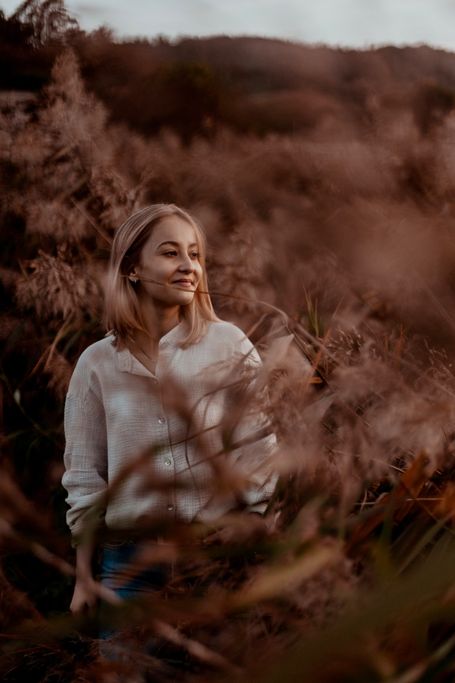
x=156, y=411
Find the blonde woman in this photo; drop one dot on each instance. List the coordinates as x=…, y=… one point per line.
x=150, y=407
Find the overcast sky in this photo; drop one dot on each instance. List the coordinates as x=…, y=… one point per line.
x=356, y=23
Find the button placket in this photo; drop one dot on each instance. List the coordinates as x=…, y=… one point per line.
x=168, y=459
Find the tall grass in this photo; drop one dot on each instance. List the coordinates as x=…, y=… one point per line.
x=337, y=258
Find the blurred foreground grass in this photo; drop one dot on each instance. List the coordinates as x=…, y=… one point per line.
x=337, y=259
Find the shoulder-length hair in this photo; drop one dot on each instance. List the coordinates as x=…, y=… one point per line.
x=122, y=310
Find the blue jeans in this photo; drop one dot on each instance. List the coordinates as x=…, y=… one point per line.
x=117, y=572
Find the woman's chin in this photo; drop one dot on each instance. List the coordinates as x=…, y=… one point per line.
x=184, y=298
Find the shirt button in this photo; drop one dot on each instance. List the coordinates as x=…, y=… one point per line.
x=168, y=462
x=170, y=508
x=161, y=420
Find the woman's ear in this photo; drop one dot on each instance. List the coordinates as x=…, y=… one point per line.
x=132, y=277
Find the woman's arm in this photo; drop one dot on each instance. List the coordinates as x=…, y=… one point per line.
x=85, y=479
x=85, y=593
x=253, y=442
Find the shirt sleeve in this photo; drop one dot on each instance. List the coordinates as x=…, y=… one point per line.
x=85, y=457
x=253, y=441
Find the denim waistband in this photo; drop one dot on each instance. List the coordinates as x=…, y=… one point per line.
x=124, y=542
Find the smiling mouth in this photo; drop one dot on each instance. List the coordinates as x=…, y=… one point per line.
x=184, y=283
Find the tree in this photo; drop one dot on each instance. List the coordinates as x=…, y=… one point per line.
x=48, y=19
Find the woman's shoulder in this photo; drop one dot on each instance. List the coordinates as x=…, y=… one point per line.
x=230, y=339
x=226, y=330
x=226, y=333
x=226, y=342
x=93, y=360
x=97, y=352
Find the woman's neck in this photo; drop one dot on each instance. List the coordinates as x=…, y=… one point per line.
x=159, y=320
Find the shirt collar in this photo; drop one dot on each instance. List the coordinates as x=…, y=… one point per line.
x=126, y=362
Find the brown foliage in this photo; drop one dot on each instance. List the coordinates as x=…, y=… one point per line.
x=333, y=249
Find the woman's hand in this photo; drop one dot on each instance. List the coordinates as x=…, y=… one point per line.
x=86, y=590
x=85, y=595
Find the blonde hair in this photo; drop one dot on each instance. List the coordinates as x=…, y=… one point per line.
x=122, y=309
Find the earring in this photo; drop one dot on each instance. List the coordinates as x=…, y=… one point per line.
x=133, y=278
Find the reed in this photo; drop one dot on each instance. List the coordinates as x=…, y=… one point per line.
x=337, y=258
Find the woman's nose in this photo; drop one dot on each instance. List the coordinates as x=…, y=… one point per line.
x=186, y=264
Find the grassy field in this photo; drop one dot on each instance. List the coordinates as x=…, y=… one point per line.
x=333, y=248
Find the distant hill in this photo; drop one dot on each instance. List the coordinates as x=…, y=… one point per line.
x=259, y=85
x=252, y=85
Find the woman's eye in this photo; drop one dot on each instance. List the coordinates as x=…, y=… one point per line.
x=192, y=254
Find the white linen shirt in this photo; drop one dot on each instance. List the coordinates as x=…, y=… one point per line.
x=117, y=410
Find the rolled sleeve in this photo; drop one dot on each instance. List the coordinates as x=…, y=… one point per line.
x=85, y=458
x=253, y=440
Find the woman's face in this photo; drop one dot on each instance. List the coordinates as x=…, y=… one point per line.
x=169, y=269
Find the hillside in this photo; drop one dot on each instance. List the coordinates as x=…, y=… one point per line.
x=325, y=183
x=251, y=85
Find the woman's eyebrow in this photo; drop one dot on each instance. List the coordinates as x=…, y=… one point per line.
x=175, y=244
